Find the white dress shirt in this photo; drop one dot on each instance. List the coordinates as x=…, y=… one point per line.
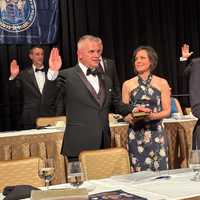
x=183, y=59
x=94, y=80
x=40, y=78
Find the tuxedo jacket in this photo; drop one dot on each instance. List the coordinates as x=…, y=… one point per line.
x=25, y=90
x=194, y=87
x=87, y=115
x=110, y=70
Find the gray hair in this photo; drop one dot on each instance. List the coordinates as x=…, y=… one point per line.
x=90, y=38
x=152, y=55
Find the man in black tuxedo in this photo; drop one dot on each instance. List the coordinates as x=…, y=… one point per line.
x=194, y=88
x=109, y=68
x=192, y=69
x=88, y=93
x=31, y=86
x=106, y=66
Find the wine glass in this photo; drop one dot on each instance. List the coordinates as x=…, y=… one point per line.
x=46, y=170
x=194, y=163
x=157, y=168
x=75, y=174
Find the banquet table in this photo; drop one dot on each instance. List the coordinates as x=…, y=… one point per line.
x=176, y=185
x=43, y=143
x=179, y=134
x=119, y=133
x=35, y=143
x=47, y=143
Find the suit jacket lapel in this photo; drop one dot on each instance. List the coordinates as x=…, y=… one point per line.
x=102, y=89
x=33, y=79
x=105, y=64
x=87, y=84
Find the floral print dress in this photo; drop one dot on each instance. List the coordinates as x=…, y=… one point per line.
x=146, y=142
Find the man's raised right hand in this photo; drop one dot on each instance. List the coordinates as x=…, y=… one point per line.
x=14, y=69
x=185, y=50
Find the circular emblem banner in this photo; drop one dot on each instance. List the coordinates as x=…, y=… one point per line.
x=17, y=15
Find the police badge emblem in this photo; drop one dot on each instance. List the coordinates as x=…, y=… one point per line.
x=17, y=15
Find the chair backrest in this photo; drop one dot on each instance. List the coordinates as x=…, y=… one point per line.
x=97, y=164
x=20, y=172
x=50, y=121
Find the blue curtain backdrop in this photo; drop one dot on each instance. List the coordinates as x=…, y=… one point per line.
x=28, y=21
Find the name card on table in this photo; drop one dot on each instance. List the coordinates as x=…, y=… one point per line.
x=60, y=194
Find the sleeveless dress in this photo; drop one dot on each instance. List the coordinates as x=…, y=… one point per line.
x=146, y=141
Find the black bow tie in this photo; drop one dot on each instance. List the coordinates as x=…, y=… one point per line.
x=41, y=70
x=93, y=72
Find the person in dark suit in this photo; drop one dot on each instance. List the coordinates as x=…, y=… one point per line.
x=185, y=58
x=183, y=75
x=88, y=93
x=31, y=86
x=194, y=83
x=192, y=69
x=107, y=66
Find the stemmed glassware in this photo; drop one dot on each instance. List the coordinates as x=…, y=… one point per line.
x=75, y=174
x=194, y=164
x=46, y=170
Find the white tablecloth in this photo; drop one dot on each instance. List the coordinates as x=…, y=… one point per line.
x=183, y=118
x=30, y=132
x=145, y=184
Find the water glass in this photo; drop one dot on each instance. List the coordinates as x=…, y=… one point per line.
x=46, y=170
x=75, y=174
x=194, y=163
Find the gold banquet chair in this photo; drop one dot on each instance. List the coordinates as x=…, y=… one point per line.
x=49, y=121
x=20, y=172
x=98, y=164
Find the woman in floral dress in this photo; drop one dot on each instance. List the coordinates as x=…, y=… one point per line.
x=151, y=94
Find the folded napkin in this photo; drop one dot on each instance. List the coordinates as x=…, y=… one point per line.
x=18, y=192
